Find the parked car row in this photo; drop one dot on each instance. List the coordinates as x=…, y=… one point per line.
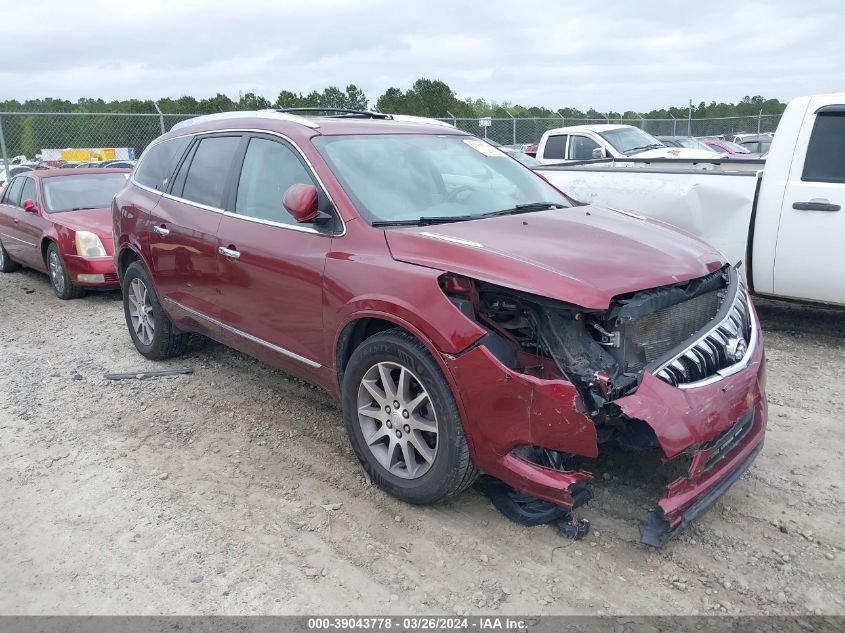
x=470, y=317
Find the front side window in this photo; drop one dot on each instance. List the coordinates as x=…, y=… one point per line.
x=210, y=166
x=270, y=168
x=410, y=177
x=85, y=191
x=28, y=191
x=159, y=161
x=581, y=147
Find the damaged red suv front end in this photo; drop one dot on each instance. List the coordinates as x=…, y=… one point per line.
x=677, y=369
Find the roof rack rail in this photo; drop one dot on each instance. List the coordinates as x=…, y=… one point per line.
x=239, y=114
x=338, y=112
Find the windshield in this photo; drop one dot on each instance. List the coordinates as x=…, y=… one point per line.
x=630, y=140
x=694, y=143
x=91, y=191
x=736, y=148
x=404, y=177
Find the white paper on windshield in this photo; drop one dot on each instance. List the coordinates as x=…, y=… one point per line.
x=484, y=148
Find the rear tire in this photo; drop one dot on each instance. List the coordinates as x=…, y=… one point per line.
x=6, y=263
x=153, y=334
x=417, y=451
x=59, y=276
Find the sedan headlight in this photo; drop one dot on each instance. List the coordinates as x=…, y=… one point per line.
x=89, y=245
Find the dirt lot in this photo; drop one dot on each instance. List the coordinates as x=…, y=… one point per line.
x=234, y=490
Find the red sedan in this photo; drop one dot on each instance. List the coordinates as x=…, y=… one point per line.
x=59, y=222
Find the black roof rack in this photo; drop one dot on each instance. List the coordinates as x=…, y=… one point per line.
x=339, y=112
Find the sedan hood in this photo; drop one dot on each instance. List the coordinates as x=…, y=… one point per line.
x=582, y=255
x=97, y=221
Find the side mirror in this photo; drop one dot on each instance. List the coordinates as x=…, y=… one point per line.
x=301, y=202
x=30, y=206
x=599, y=152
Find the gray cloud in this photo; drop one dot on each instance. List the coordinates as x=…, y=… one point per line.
x=611, y=55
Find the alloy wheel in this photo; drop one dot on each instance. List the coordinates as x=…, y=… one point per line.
x=141, y=311
x=57, y=275
x=397, y=420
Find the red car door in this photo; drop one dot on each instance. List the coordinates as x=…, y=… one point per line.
x=31, y=226
x=10, y=217
x=183, y=227
x=271, y=267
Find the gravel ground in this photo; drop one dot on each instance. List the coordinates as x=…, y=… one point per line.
x=234, y=490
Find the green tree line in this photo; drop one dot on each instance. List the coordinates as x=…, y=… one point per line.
x=27, y=133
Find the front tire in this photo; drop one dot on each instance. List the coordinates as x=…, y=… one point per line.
x=416, y=451
x=153, y=334
x=6, y=263
x=59, y=276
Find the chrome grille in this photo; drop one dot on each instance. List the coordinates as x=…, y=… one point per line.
x=713, y=354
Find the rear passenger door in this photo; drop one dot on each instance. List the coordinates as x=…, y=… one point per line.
x=810, y=255
x=183, y=227
x=271, y=267
x=10, y=216
x=555, y=149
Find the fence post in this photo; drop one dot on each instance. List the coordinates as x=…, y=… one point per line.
x=160, y=117
x=689, y=119
x=759, y=120
x=454, y=118
x=674, y=125
x=3, y=149
x=513, y=123
x=562, y=119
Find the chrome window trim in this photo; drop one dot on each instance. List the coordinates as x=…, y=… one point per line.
x=249, y=337
x=17, y=239
x=314, y=174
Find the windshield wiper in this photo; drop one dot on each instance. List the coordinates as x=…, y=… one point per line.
x=446, y=219
x=643, y=147
x=83, y=208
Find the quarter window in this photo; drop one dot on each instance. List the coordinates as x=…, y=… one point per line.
x=269, y=170
x=206, y=179
x=825, y=160
x=159, y=161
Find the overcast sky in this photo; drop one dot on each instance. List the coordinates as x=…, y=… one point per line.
x=615, y=55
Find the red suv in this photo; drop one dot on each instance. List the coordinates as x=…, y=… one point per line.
x=470, y=317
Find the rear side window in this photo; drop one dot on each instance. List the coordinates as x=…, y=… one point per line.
x=206, y=179
x=13, y=192
x=269, y=170
x=825, y=160
x=159, y=161
x=28, y=191
x=555, y=147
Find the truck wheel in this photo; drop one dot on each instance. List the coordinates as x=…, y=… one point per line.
x=153, y=334
x=403, y=422
x=6, y=263
x=59, y=277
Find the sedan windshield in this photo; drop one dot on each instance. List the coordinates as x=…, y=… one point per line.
x=631, y=140
x=89, y=191
x=410, y=178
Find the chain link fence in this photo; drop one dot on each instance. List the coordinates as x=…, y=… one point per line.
x=29, y=137
x=88, y=137
x=516, y=131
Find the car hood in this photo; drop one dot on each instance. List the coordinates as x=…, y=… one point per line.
x=582, y=255
x=97, y=221
x=676, y=152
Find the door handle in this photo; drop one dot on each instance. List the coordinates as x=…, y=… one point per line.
x=229, y=252
x=164, y=232
x=815, y=205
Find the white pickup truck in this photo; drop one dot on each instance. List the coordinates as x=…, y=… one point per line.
x=606, y=140
x=782, y=218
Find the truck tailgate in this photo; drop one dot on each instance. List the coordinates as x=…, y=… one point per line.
x=713, y=205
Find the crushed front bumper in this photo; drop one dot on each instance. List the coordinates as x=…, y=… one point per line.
x=92, y=272
x=503, y=410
